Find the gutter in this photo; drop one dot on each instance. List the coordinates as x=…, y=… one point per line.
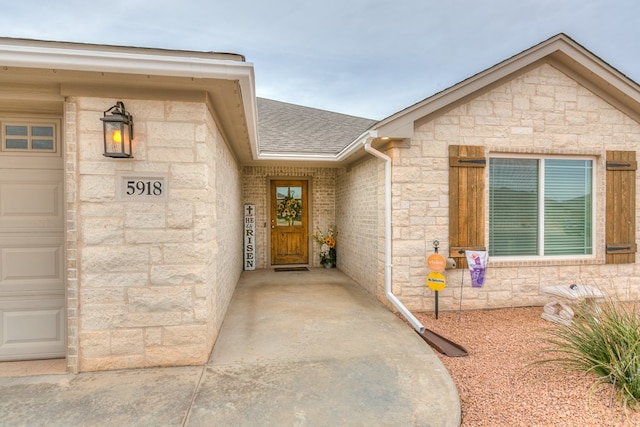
x=368, y=138
x=127, y=60
x=343, y=154
x=102, y=59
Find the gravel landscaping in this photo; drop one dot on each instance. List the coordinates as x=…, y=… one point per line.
x=499, y=385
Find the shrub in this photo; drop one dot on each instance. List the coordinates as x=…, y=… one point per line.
x=605, y=340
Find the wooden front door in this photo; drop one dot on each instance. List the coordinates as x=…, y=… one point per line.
x=289, y=213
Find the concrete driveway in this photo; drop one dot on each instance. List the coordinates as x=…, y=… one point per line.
x=296, y=349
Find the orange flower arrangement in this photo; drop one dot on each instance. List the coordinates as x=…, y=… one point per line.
x=327, y=242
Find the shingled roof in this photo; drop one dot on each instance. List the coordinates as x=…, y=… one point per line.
x=289, y=128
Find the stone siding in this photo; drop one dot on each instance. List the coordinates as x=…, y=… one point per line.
x=152, y=282
x=542, y=111
x=148, y=284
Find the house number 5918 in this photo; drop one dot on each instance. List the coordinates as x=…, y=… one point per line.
x=144, y=188
x=141, y=188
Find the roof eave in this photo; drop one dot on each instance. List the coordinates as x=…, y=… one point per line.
x=558, y=49
x=337, y=158
x=138, y=61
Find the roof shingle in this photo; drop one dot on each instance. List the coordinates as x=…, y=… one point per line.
x=290, y=128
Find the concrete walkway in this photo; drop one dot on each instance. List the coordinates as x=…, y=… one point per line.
x=296, y=349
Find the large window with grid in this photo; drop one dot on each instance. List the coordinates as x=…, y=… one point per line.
x=29, y=136
x=541, y=206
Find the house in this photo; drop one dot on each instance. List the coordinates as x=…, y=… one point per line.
x=131, y=262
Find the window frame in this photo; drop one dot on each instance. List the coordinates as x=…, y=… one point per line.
x=30, y=123
x=541, y=206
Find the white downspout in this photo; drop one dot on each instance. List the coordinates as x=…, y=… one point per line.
x=387, y=234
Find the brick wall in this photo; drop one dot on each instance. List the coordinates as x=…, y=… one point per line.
x=255, y=190
x=70, y=148
x=542, y=111
x=229, y=238
x=149, y=282
x=360, y=218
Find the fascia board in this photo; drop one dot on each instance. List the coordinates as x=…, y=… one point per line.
x=597, y=69
x=405, y=118
x=298, y=157
x=345, y=153
x=250, y=105
x=554, y=47
x=559, y=48
x=145, y=62
x=357, y=144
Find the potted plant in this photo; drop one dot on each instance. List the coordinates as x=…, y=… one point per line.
x=327, y=242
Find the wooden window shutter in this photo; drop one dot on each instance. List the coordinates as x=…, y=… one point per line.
x=621, y=207
x=466, y=200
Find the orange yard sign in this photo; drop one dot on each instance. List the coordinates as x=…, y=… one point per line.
x=436, y=262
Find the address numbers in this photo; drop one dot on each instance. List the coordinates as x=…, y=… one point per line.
x=142, y=188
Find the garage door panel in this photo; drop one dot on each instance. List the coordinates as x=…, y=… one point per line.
x=30, y=200
x=32, y=260
x=31, y=263
x=32, y=328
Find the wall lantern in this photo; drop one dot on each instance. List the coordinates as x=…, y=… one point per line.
x=118, y=131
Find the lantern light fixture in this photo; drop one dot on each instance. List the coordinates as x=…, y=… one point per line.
x=118, y=132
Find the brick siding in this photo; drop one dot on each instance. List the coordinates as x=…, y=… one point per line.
x=255, y=190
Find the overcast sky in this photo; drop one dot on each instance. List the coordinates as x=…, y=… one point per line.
x=369, y=58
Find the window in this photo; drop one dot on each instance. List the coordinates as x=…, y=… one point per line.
x=29, y=137
x=288, y=206
x=540, y=207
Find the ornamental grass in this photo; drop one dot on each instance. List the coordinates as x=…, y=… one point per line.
x=603, y=339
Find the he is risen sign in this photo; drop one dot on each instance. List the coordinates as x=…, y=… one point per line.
x=249, y=237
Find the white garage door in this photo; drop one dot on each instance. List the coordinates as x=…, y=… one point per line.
x=32, y=295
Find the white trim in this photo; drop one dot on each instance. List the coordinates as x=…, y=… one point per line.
x=343, y=154
x=150, y=61
x=366, y=140
x=298, y=156
x=594, y=198
x=558, y=50
x=30, y=120
x=109, y=59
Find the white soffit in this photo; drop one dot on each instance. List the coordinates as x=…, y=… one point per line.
x=32, y=54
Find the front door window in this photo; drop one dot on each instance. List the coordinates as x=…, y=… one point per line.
x=289, y=206
x=289, y=235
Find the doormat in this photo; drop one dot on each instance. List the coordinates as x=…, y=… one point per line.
x=291, y=269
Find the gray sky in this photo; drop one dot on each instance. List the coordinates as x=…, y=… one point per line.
x=369, y=58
